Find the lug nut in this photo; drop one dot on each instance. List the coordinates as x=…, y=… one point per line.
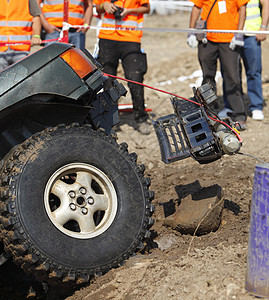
x=83, y=191
x=84, y=210
x=72, y=194
x=90, y=200
x=72, y=206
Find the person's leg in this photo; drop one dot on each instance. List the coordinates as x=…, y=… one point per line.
x=52, y=36
x=230, y=67
x=208, y=55
x=224, y=89
x=4, y=60
x=226, y=103
x=251, y=54
x=10, y=57
x=18, y=55
x=109, y=56
x=77, y=39
x=134, y=63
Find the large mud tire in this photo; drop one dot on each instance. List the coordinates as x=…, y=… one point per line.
x=43, y=209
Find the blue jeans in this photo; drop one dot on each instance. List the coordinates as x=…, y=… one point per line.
x=75, y=38
x=10, y=57
x=251, y=55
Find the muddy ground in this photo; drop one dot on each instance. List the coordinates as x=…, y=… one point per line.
x=175, y=265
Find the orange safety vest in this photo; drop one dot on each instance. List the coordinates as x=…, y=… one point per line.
x=15, y=24
x=130, y=21
x=53, y=11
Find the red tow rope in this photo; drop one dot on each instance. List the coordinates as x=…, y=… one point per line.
x=162, y=91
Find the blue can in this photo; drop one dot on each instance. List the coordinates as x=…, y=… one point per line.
x=257, y=277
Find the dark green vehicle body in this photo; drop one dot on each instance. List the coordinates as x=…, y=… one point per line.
x=42, y=90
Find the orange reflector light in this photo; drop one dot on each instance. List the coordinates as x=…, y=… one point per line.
x=77, y=60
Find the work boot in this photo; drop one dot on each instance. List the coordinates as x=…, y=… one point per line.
x=143, y=128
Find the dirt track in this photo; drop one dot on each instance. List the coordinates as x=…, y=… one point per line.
x=211, y=266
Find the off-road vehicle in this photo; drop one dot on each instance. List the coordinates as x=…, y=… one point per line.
x=73, y=201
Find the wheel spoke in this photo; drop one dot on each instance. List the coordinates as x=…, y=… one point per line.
x=84, y=179
x=60, y=189
x=85, y=223
x=100, y=202
x=62, y=214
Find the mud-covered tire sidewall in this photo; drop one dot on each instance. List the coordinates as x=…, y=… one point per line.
x=38, y=161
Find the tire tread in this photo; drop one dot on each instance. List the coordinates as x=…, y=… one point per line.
x=17, y=242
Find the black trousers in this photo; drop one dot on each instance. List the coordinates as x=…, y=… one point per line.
x=208, y=54
x=134, y=64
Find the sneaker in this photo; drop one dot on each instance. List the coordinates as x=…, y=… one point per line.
x=240, y=125
x=143, y=128
x=257, y=115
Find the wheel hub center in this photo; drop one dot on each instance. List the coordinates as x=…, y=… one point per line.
x=81, y=201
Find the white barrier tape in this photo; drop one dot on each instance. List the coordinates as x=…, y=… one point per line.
x=188, y=30
x=175, y=3
x=164, y=6
x=65, y=27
